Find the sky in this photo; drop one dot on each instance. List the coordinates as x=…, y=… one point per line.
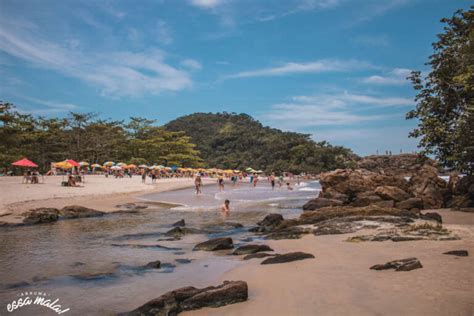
x=334, y=69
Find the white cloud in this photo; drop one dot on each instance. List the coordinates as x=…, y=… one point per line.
x=319, y=66
x=191, y=64
x=50, y=106
x=206, y=4
x=397, y=76
x=113, y=73
x=163, y=33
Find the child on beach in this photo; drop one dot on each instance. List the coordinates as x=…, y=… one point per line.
x=225, y=209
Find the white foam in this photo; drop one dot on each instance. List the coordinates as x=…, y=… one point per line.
x=309, y=189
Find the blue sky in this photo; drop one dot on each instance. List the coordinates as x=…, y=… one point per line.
x=332, y=68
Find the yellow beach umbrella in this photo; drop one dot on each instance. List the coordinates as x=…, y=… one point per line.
x=63, y=165
x=109, y=163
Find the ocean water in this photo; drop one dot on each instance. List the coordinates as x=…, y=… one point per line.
x=94, y=265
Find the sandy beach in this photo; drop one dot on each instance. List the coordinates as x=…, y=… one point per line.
x=338, y=281
x=97, y=192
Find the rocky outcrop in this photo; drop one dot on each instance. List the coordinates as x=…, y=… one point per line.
x=215, y=244
x=191, y=298
x=269, y=223
x=76, y=211
x=403, y=164
x=458, y=253
x=462, y=191
x=432, y=216
x=410, y=204
x=321, y=202
x=430, y=188
x=40, y=216
x=388, y=192
x=288, y=257
x=248, y=249
x=399, y=265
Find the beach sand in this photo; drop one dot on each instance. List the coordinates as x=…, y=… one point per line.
x=98, y=192
x=339, y=282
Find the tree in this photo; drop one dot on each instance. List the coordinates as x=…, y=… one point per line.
x=445, y=104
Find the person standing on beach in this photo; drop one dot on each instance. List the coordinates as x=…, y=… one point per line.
x=255, y=180
x=198, y=183
x=251, y=178
x=144, y=175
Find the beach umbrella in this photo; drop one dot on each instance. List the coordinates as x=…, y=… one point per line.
x=25, y=163
x=83, y=163
x=116, y=168
x=73, y=163
x=131, y=166
x=109, y=163
x=63, y=165
x=237, y=171
x=250, y=169
x=121, y=164
x=96, y=165
x=142, y=166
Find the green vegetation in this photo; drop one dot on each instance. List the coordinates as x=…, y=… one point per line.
x=85, y=137
x=237, y=141
x=445, y=104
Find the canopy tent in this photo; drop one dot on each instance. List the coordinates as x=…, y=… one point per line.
x=25, y=163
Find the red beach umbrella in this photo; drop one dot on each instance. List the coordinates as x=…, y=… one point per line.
x=25, y=163
x=73, y=163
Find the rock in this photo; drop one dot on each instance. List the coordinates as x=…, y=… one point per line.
x=388, y=192
x=365, y=199
x=432, y=216
x=271, y=220
x=153, y=265
x=16, y=285
x=258, y=255
x=41, y=215
x=132, y=206
x=183, y=261
x=403, y=164
x=288, y=257
x=178, y=232
x=180, y=223
x=332, y=194
x=320, y=202
x=429, y=187
x=146, y=246
x=86, y=276
x=248, y=249
x=406, y=238
x=191, y=298
x=411, y=203
x=76, y=211
x=293, y=232
x=215, y=244
x=399, y=265
x=459, y=253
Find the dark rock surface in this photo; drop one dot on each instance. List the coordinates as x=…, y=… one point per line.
x=76, y=211
x=40, y=216
x=399, y=265
x=146, y=246
x=215, y=244
x=191, y=298
x=388, y=192
x=180, y=223
x=459, y=253
x=153, y=265
x=319, y=203
x=248, y=249
x=258, y=255
x=411, y=203
x=288, y=257
x=432, y=216
x=403, y=164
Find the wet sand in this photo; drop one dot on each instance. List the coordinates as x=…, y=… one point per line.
x=338, y=281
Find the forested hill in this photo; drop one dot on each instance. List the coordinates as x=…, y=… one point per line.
x=237, y=141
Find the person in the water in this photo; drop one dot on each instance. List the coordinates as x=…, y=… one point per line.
x=220, y=181
x=225, y=209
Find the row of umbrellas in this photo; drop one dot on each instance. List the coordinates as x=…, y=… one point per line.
x=69, y=163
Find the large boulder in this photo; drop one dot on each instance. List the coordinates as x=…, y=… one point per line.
x=462, y=190
x=330, y=193
x=388, y=192
x=288, y=257
x=191, y=298
x=76, y=211
x=40, y=216
x=320, y=202
x=248, y=249
x=411, y=203
x=215, y=244
x=365, y=198
x=271, y=220
x=427, y=186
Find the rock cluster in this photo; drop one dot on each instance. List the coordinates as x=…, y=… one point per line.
x=399, y=265
x=403, y=164
x=424, y=190
x=215, y=244
x=191, y=298
x=288, y=257
x=48, y=215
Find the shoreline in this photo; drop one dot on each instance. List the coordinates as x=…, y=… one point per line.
x=51, y=194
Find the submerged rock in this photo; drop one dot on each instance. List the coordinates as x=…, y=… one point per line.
x=183, y=260
x=248, y=249
x=88, y=276
x=77, y=211
x=41, y=215
x=146, y=246
x=271, y=220
x=215, y=244
x=399, y=265
x=293, y=232
x=180, y=223
x=459, y=253
x=153, y=265
x=288, y=257
x=191, y=298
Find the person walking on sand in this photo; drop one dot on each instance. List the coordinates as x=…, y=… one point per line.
x=255, y=180
x=198, y=183
x=144, y=173
x=251, y=178
x=220, y=181
x=225, y=209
